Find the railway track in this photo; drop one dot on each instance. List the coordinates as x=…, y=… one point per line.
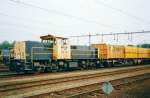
x=3, y=68
x=92, y=90
x=28, y=87
x=14, y=75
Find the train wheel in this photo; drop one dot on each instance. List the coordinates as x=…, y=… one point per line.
x=105, y=64
x=66, y=66
x=37, y=69
x=47, y=69
x=83, y=65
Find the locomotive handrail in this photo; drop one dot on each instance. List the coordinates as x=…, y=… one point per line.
x=83, y=50
x=43, y=53
x=41, y=47
x=82, y=54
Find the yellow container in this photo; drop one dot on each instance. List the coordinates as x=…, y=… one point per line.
x=149, y=53
x=107, y=51
x=131, y=52
x=143, y=53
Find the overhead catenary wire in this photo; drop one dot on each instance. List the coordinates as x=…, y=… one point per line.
x=104, y=34
x=57, y=12
x=65, y=14
x=25, y=26
x=115, y=35
x=33, y=21
x=122, y=12
x=22, y=18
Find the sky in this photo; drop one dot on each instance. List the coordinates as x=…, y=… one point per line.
x=22, y=20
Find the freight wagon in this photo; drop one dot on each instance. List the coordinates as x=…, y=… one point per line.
x=56, y=54
x=110, y=54
x=122, y=54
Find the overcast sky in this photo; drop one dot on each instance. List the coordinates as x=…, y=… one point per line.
x=29, y=19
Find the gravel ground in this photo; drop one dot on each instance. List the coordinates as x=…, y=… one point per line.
x=140, y=89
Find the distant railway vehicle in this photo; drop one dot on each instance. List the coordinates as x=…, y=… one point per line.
x=56, y=53
x=1, y=58
x=5, y=55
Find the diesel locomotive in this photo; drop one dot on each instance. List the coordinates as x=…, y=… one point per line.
x=56, y=54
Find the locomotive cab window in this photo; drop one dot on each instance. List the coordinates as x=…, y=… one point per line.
x=64, y=42
x=48, y=43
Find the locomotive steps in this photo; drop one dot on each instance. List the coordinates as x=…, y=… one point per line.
x=32, y=86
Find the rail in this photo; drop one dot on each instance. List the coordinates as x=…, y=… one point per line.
x=24, y=88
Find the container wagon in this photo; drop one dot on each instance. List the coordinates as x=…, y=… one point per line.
x=112, y=54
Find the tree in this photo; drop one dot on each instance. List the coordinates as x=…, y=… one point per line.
x=144, y=45
x=5, y=45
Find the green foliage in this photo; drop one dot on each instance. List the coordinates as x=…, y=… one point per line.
x=6, y=45
x=144, y=45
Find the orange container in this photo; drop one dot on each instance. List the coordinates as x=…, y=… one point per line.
x=107, y=51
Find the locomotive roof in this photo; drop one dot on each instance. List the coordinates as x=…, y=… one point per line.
x=46, y=37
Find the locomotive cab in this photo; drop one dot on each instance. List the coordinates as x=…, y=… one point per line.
x=59, y=46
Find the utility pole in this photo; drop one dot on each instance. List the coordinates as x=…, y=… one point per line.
x=102, y=38
x=89, y=39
